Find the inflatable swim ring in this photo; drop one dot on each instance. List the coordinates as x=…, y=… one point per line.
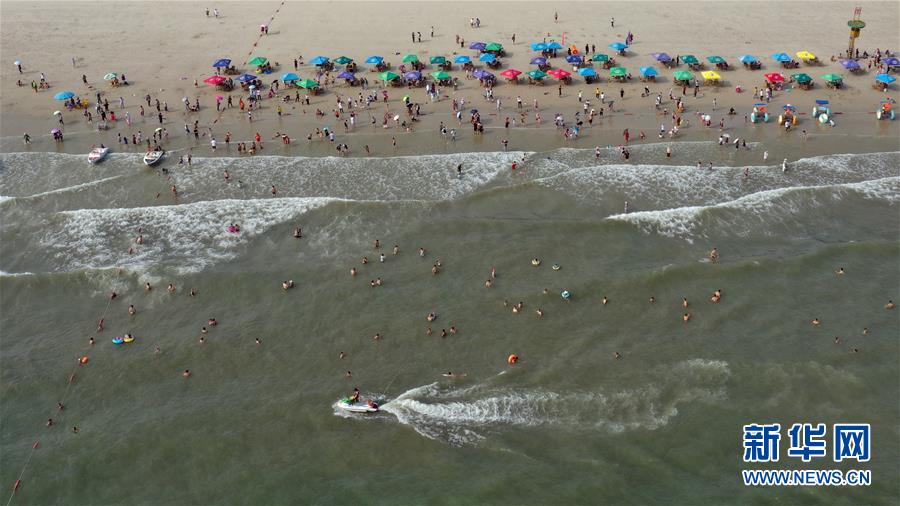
x=117, y=340
x=566, y=295
x=128, y=339
x=555, y=267
x=83, y=360
x=232, y=229
x=535, y=262
x=512, y=359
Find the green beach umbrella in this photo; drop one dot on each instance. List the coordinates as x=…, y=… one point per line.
x=110, y=76
x=801, y=78
x=617, y=72
x=690, y=59
x=493, y=46
x=536, y=74
x=410, y=58
x=715, y=59
x=307, y=83
x=343, y=60
x=440, y=74
x=683, y=75
x=833, y=78
x=438, y=60
x=388, y=76
x=600, y=57
x=258, y=60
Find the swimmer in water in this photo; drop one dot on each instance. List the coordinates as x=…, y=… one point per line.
x=348, y=375
x=396, y=250
x=452, y=329
x=342, y=356
x=287, y=285
x=784, y=166
x=186, y=373
x=193, y=292
x=488, y=284
x=443, y=332
x=617, y=355
x=652, y=300
x=839, y=272
x=298, y=233
x=202, y=340
x=421, y=252
x=212, y=322
x=686, y=317
x=493, y=272
x=377, y=244
x=539, y=312
x=353, y=271
x=381, y=258
x=714, y=255
x=147, y=287
x=365, y=260
x=431, y=317
x=684, y=302
x=428, y=331
x=716, y=296
x=546, y=291
x=434, y=270
x=890, y=305
x=815, y=322
x=203, y=330
x=131, y=310
x=837, y=339
x=158, y=350
x=100, y=325
x=605, y=301
x=376, y=337
x=865, y=331
x=171, y=288
x=91, y=341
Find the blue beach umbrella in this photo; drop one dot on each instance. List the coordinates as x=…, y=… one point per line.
x=245, y=78
x=413, y=75
x=661, y=57
x=748, y=58
x=478, y=46
x=618, y=46
x=346, y=75
x=539, y=60
x=554, y=45
x=891, y=61
x=462, y=59
x=781, y=57
x=319, y=60
x=290, y=76
x=850, y=64
x=374, y=60
x=487, y=57
x=538, y=46
x=573, y=58
x=884, y=78
x=64, y=95
x=482, y=74
x=649, y=71
x=587, y=72
x=224, y=62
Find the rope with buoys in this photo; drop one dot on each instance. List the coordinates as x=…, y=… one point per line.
x=83, y=360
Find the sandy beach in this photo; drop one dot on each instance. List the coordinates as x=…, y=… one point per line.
x=527, y=318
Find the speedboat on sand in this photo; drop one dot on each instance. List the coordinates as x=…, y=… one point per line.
x=153, y=157
x=97, y=154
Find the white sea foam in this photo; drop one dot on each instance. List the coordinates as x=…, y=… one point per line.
x=187, y=236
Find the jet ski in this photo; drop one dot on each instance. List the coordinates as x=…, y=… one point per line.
x=153, y=157
x=97, y=154
x=357, y=407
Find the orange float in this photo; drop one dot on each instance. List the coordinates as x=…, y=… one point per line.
x=83, y=360
x=512, y=359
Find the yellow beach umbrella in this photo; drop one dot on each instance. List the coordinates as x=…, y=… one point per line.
x=805, y=55
x=711, y=75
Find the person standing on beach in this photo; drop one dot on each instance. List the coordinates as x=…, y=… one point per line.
x=556, y=17
x=612, y=22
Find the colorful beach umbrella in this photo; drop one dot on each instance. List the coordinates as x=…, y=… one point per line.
x=258, y=60
x=833, y=78
x=462, y=59
x=64, y=95
x=374, y=60
x=307, y=84
x=572, y=58
x=600, y=57
x=409, y=58
x=618, y=46
x=110, y=76
x=554, y=45
x=849, y=64
x=538, y=60
x=748, y=58
x=319, y=60
x=538, y=46
x=413, y=75
x=805, y=55
x=649, y=72
x=801, y=78
x=715, y=60
x=774, y=78
x=689, y=59
x=511, y=73
x=214, y=80
x=493, y=46
x=559, y=73
x=487, y=57
x=245, y=78
x=782, y=57
x=343, y=60
x=224, y=62
x=617, y=72
x=661, y=57
x=437, y=60
x=290, y=76
x=536, y=74
x=482, y=74
x=711, y=75
x=478, y=46
x=587, y=72
x=885, y=78
x=346, y=75
x=682, y=75
x=891, y=61
x=440, y=74
x=388, y=76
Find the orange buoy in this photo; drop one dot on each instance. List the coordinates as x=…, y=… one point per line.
x=35, y=445
x=83, y=360
x=512, y=359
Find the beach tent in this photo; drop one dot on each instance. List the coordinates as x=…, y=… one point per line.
x=224, y=62
x=554, y=45
x=388, y=76
x=781, y=57
x=661, y=57
x=245, y=78
x=478, y=46
x=482, y=74
x=511, y=73
x=308, y=84
x=539, y=60
x=462, y=59
x=536, y=74
x=487, y=57
x=649, y=72
x=587, y=72
x=748, y=58
x=774, y=78
x=374, y=60
x=600, y=57
x=319, y=60
x=64, y=95
x=538, y=46
x=258, y=60
x=290, y=76
x=437, y=60
x=440, y=74
x=849, y=64
x=343, y=60
x=409, y=58
x=413, y=75
x=559, y=73
x=617, y=72
x=215, y=80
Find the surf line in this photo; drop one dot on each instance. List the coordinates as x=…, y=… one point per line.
x=83, y=360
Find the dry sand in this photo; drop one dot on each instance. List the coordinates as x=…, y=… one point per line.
x=163, y=47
